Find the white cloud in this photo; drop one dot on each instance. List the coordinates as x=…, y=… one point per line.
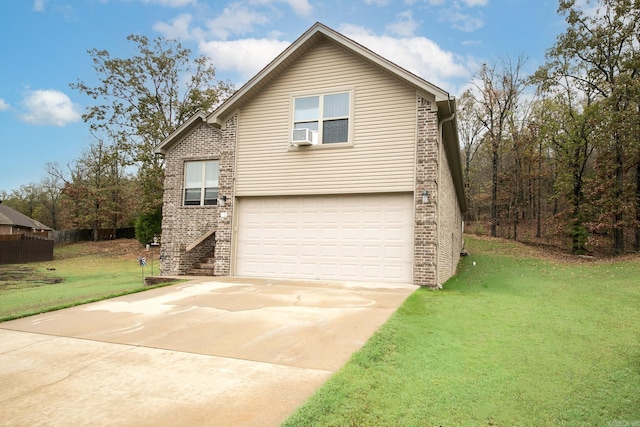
x=404, y=26
x=49, y=107
x=245, y=56
x=417, y=54
x=171, y=3
x=235, y=19
x=300, y=7
x=179, y=28
x=376, y=2
x=472, y=3
x=3, y=105
x=38, y=5
x=461, y=21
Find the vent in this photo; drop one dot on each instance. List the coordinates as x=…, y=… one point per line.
x=302, y=137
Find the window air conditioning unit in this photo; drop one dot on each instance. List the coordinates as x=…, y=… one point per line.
x=302, y=137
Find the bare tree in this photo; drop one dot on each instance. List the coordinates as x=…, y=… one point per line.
x=497, y=91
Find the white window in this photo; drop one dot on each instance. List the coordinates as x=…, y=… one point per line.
x=201, y=183
x=326, y=116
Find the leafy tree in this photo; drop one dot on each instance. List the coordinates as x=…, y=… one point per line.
x=599, y=54
x=141, y=100
x=96, y=190
x=566, y=127
x=148, y=226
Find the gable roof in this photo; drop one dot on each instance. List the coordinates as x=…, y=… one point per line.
x=12, y=217
x=312, y=37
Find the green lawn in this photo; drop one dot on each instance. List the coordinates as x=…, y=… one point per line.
x=89, y=272
x=515, y=340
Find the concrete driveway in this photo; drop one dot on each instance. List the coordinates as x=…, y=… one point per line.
x=223, y=352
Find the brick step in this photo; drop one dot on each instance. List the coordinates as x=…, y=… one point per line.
x=203, y=268
x=200, y=272
x=205, y=265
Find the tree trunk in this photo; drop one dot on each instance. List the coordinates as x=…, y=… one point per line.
x=494, y=189
x=539, y=191
x=618, y=230
x=636, y=244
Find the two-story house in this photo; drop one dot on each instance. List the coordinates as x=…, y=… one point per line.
x=332, y=163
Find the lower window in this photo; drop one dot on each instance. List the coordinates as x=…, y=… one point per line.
x=201, y=183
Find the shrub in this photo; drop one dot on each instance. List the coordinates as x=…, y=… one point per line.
x=148, y=225
x=579, y=237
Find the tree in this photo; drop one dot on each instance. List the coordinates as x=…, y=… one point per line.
x=470, y=131
x=498, y=88
x=565, y=124
x=144, y=98
x=51, y=187
x=97, y=188
x=599, y=53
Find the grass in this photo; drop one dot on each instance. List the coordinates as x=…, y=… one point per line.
x=516, y=339
x=80, y=273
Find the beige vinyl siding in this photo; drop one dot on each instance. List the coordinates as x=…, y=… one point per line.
x=379, y=158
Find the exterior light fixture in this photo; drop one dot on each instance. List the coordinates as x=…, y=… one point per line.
x=425, y=196
x=222, y=200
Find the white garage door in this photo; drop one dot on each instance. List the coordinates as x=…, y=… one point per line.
x=361, y=238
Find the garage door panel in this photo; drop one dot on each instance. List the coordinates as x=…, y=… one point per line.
x=367, y=237
x=289, y=250
x=328, y=233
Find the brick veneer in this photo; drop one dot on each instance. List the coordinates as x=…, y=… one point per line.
x=438, y=226
x=183, y=225
x=425, y=229
x=449, y=224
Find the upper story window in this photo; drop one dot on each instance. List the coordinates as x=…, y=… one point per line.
x=326, y=117
x=201, y=183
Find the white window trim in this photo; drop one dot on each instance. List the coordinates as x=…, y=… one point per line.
x=322, y=94
x=202, y=186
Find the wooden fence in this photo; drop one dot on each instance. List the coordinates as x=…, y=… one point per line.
x=64, y=237
x=23, y=248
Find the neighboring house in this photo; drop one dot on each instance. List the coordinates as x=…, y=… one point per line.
x=14, y=222
x=331, y=163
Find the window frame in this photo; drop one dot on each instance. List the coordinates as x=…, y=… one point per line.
x=204, y=201
x=321, y=120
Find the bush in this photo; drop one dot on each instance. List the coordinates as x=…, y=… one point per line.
x=148, y=225
x=579, y=237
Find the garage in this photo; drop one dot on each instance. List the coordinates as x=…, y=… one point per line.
x=349, y=237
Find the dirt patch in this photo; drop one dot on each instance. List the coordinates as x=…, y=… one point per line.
x=19, y=277
x=126, y=248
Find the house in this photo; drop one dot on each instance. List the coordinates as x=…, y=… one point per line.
x=14, y=222
x=332, y=163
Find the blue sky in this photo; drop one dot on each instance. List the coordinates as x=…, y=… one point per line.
x=45, y=43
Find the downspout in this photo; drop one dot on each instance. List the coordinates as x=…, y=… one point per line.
x=440, y=147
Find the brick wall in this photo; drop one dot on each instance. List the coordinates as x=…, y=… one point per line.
x=449, y=224
x=437, y=230
x=425, y=227
x=184, y=225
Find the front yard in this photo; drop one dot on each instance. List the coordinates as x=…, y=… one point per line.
x=517, y=338
x=79, y=273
